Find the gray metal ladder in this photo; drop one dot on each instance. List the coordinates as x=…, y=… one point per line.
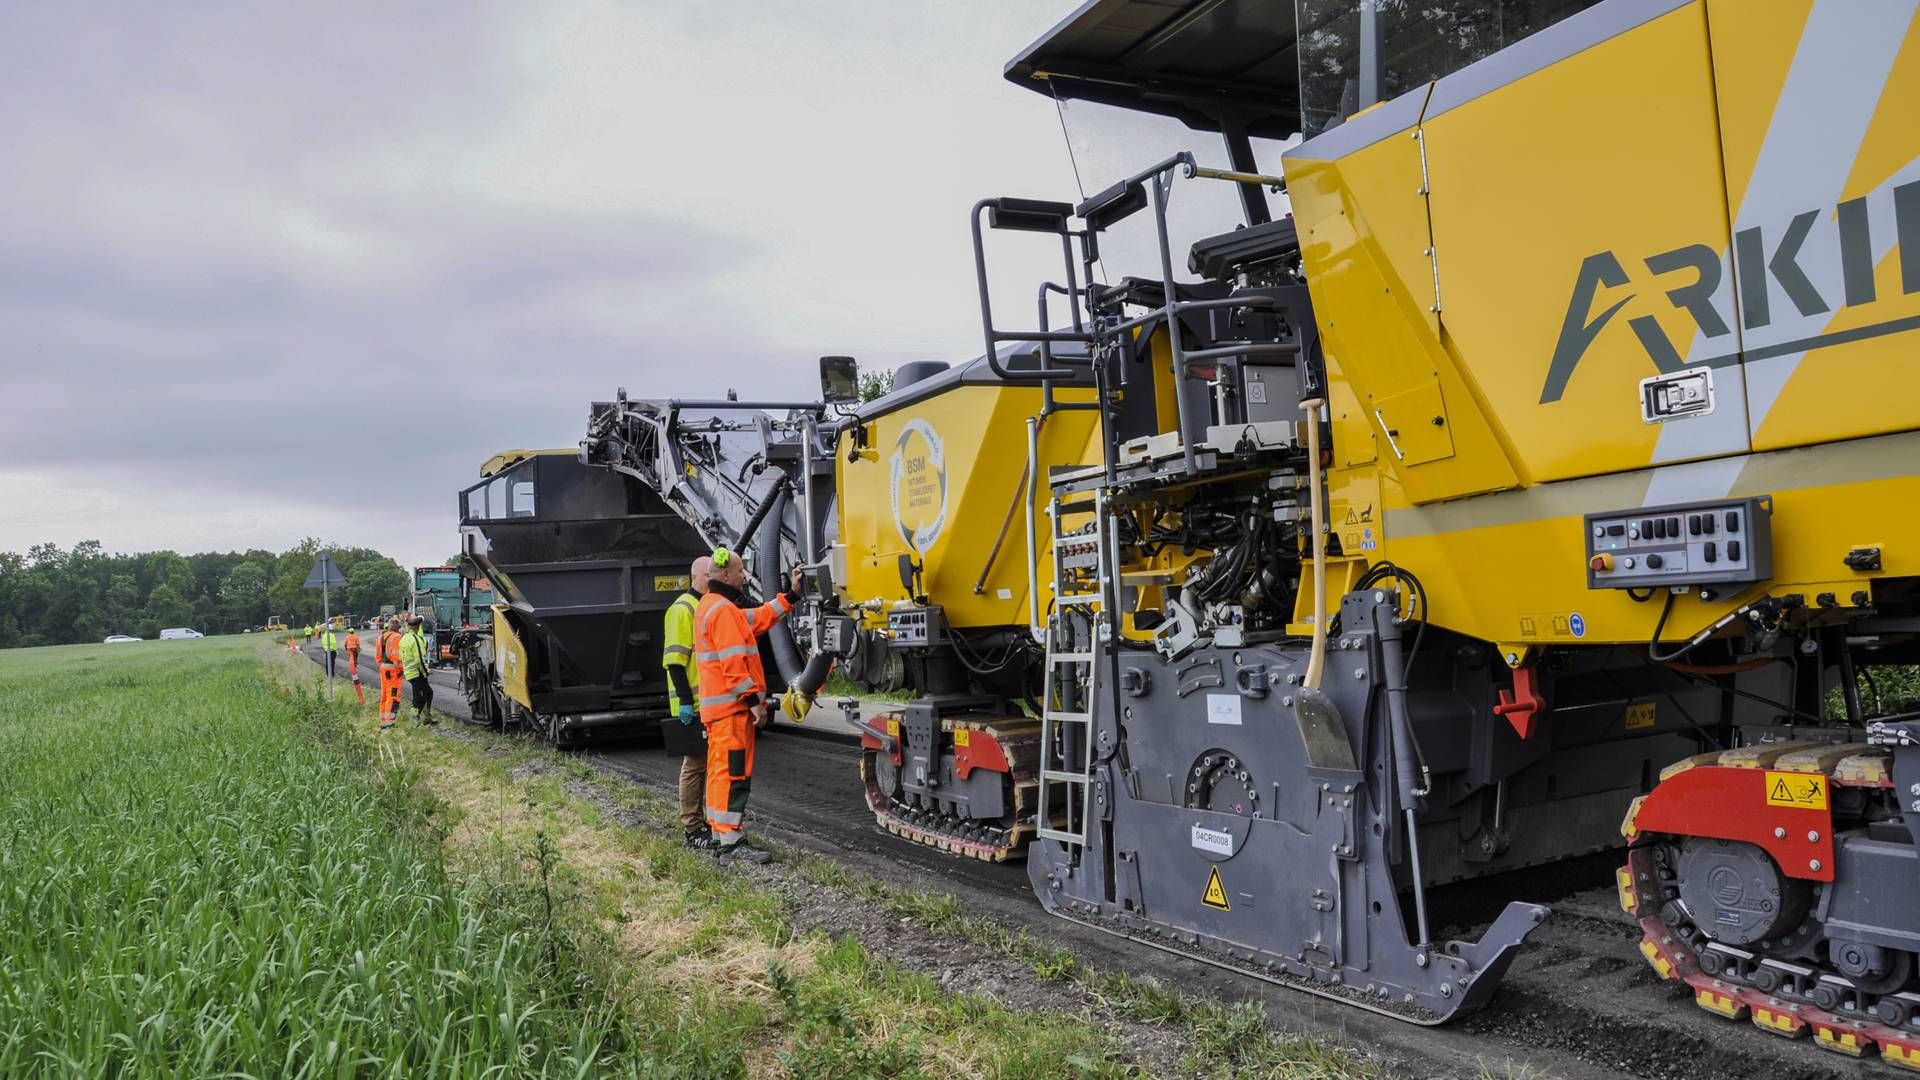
x=1077, y=667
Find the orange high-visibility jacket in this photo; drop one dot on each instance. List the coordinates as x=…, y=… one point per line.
x=352, y=642
x=387, y=651
x=727, y=651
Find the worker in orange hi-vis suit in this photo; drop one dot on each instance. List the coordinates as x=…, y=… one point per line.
x=386, y=653
x=733, y=695
x=352, y=644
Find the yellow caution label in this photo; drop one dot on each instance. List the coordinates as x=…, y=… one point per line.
x=1640, y=715
x=962, y=736
x=893, y=728
x=672, y=584
x=1216, y=894
x=1805, y=791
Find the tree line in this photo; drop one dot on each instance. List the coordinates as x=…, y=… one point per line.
x=51, y=596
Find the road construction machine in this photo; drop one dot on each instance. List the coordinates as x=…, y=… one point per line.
x=582, y=564
x=1498, y=449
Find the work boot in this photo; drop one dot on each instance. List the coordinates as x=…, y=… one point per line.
x=741, y=851
x=701, y=839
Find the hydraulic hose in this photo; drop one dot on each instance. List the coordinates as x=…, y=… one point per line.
x=809, y=676
x=766, y=546
x=1317, y=660
x=770, y=507
x=1400, y=734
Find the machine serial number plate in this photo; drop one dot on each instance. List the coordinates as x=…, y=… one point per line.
x=1212, y=840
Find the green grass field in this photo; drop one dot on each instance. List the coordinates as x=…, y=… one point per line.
x=209, y=870
x=194, y=881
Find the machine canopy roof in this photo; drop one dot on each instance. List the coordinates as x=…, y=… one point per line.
x=1207, y=63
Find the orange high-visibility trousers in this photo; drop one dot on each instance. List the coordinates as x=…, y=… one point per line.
x=390, y=684
x=729, y=774
x=353, y=664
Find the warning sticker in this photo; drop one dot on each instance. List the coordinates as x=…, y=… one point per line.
x=1640, y=715
x=1216, y=894
x=962, y=736
x=1805, y=791
x=672, y=584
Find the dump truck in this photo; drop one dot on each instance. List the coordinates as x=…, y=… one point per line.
x=1459, y=437
x=582, y=563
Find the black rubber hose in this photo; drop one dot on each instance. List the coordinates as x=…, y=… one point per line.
x=766, y=547
x=808, y=676
x=771, y=507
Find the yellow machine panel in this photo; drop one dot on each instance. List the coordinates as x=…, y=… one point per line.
x=1377, y=270
x=1593, y=280
x=1822, y=145
x=943, y=481
x=510, y=658
x=1523, y=390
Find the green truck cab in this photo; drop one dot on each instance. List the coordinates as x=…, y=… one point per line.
x=449, y=603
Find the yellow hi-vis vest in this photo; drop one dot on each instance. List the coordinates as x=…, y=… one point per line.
x=679, y=648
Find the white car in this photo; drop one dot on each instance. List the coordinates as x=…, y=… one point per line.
x=178, y=632
x=119, y=639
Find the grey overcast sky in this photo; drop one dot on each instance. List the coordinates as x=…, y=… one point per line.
x=278, y=270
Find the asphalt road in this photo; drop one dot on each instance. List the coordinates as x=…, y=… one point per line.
x=1578, y=1002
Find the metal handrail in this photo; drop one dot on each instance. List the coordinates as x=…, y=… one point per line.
x=992, y=337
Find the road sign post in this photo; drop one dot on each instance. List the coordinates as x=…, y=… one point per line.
x=324, y=576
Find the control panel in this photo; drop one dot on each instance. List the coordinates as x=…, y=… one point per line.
x=913, y=628
x=835, y=634
x=1724, y=541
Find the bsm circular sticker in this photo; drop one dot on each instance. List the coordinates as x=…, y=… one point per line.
x=919, y=486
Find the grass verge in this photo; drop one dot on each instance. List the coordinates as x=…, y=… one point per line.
x=682, y=937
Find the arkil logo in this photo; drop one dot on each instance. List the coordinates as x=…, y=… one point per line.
x=1755, y=263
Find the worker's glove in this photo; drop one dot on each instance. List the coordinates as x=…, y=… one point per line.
x=685, y=714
